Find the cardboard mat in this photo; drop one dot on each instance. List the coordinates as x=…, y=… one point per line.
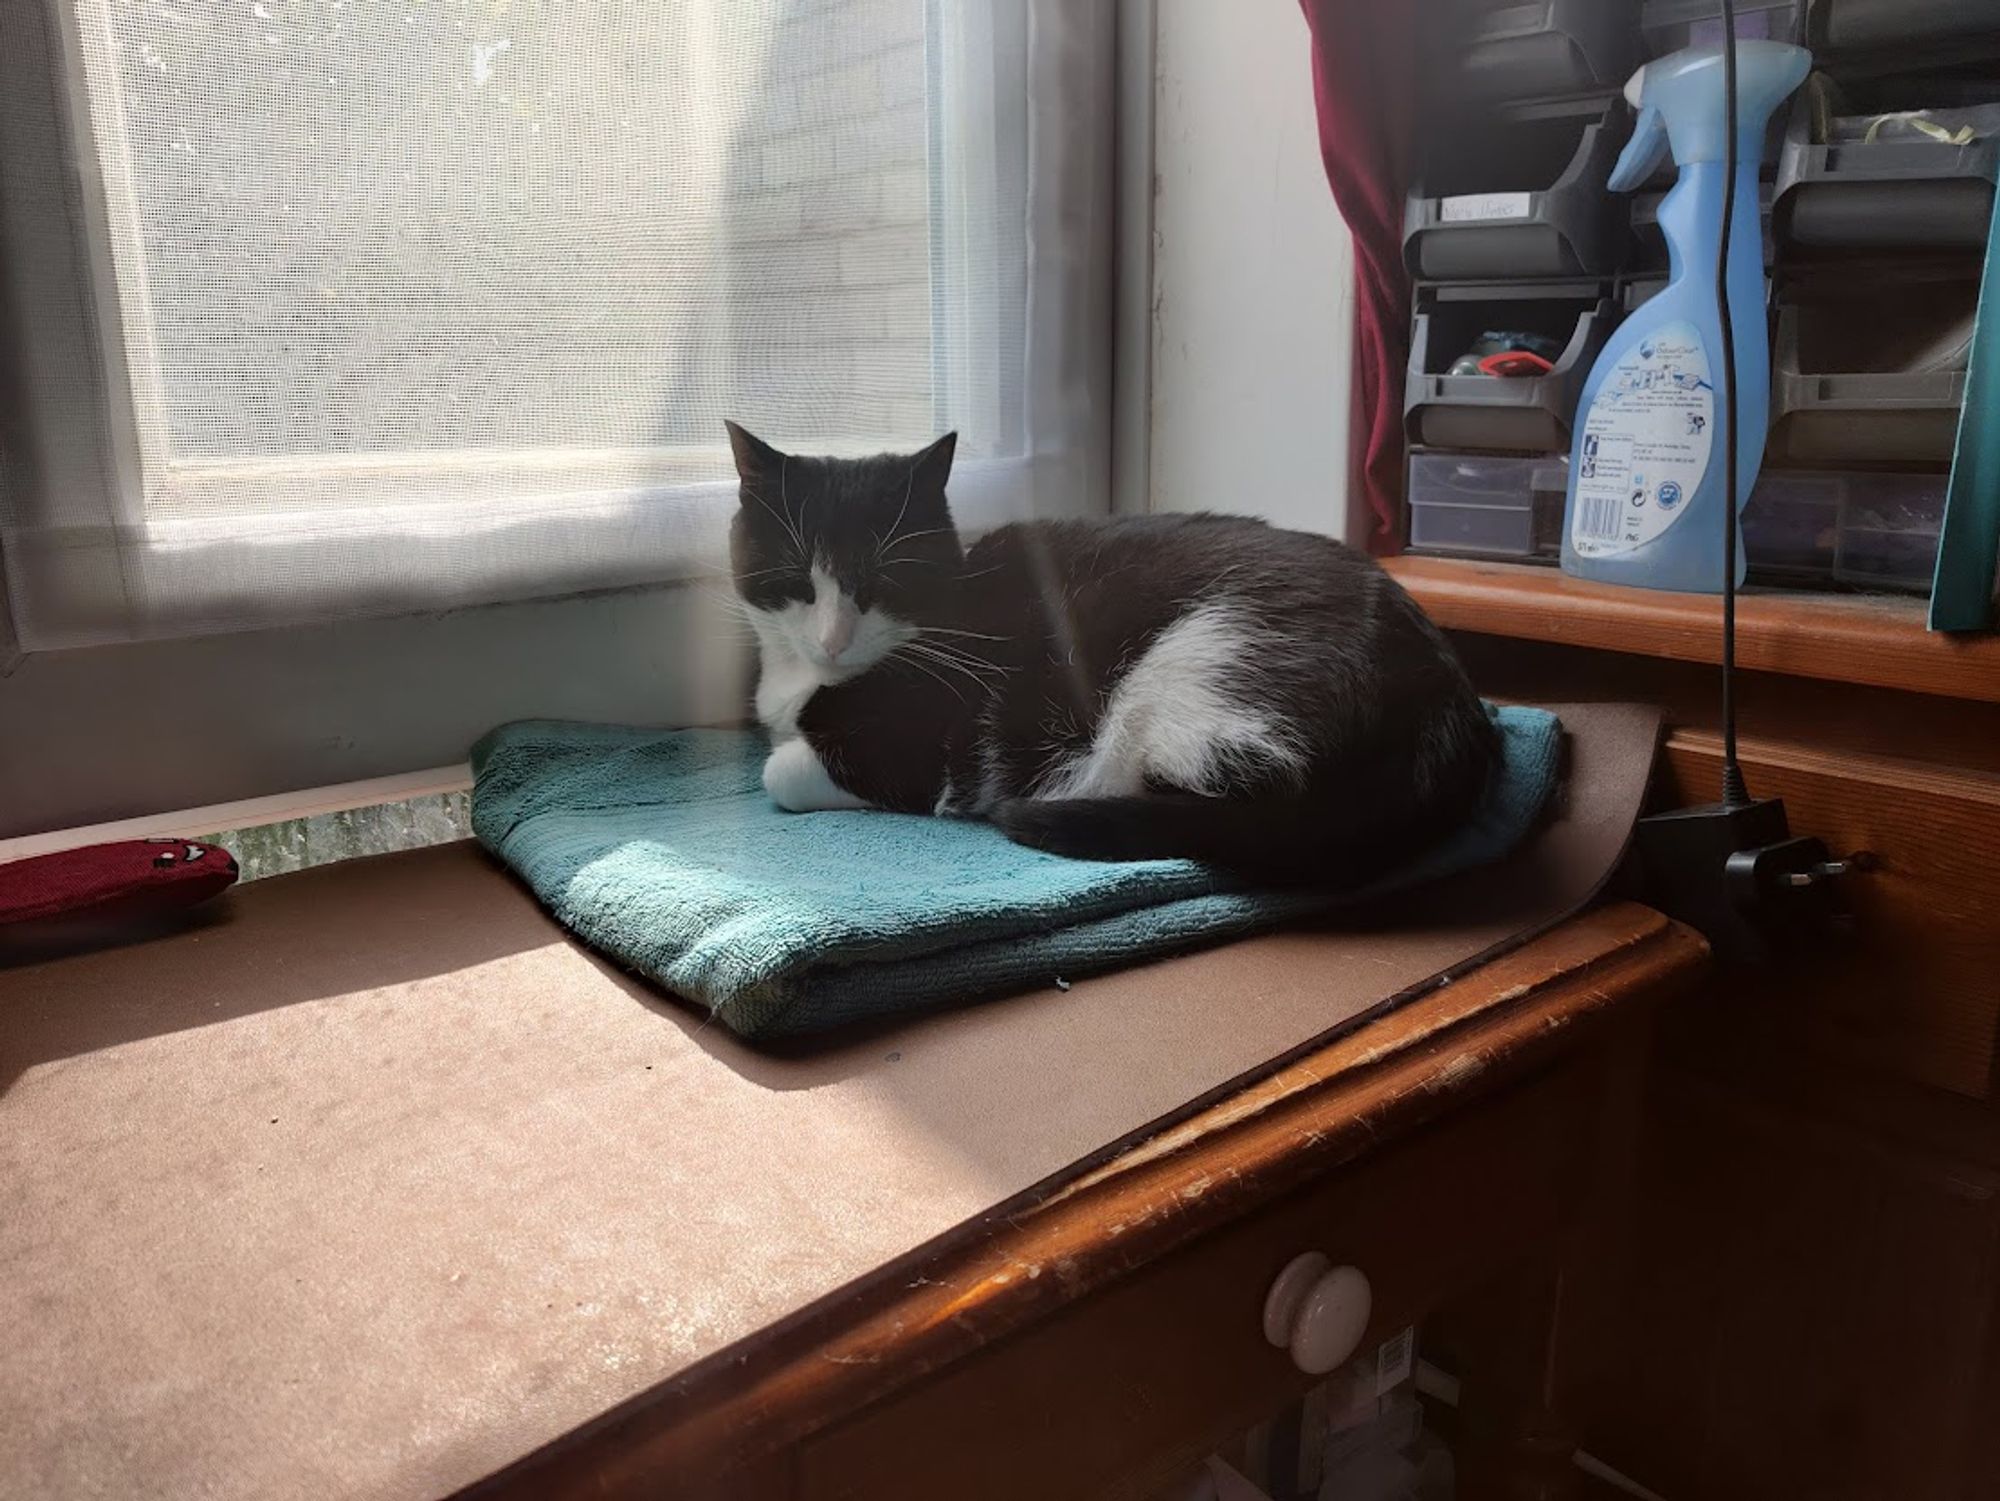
x=378, y=1181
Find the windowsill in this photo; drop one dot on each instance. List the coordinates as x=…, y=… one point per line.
x=234, y=567
x=1878, y=640
x=282, y=807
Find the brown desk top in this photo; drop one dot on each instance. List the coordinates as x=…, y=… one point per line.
x=379, y=1183
x=1002, y=1273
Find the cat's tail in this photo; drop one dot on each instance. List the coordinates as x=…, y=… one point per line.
x=1274, y=841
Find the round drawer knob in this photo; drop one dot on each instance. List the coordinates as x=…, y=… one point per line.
x=1317, y=1311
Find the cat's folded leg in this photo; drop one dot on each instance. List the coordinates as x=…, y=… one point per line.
x=798, y=781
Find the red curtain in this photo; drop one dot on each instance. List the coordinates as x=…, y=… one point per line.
x=1364, y=62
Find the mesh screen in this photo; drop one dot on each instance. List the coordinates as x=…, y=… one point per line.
x=334, y=307
x=358, y=227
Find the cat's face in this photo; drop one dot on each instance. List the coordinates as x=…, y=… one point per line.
x=838, y=559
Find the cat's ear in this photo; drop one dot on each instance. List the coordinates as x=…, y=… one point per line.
x=931, y=468
x=755, y=458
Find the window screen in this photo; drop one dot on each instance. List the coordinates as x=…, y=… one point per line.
x=322, y=307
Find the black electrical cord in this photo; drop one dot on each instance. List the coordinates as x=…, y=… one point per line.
x=1735, y=792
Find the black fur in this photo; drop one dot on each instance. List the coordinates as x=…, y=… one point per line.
x=1026, y=636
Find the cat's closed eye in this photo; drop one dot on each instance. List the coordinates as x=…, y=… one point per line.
x=775, y=588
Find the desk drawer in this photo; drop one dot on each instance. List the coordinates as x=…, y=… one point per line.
x=1911, y=990
x=1112, y=1396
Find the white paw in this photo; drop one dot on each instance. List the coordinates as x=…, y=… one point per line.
x=798, y=783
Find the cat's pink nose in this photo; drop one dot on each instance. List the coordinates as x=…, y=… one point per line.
x=837, y=635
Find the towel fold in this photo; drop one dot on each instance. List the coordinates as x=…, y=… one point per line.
x=660, y=849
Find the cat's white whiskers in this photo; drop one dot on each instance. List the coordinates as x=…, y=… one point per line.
x=909, y=486
x=784, y=499
x=951, y=649
x=918, y=664
x=932, y=653
x=984, y=673
x=970, y=667
x=783, y=518
x=738, y=613
x=945, y=630
x=935, y=531
x=959, y=653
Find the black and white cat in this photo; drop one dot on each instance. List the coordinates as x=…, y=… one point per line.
x=1205, y=686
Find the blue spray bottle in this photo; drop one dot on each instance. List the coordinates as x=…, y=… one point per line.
x=1646, y=479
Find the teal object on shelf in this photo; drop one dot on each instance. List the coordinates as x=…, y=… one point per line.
x=1968, y=556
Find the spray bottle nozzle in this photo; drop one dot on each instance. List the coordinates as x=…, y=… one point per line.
x=1680, y=103
x=1644, y=154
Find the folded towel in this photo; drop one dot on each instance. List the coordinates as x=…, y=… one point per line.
x=660, y=849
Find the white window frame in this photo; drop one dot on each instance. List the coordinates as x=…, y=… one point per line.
x=594, y=518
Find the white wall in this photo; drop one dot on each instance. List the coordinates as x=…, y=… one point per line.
x=1252, y=272
x=120, y=732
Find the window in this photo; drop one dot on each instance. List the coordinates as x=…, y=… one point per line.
x=321, y=308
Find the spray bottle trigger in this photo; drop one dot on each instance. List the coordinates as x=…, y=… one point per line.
x=1643, y=154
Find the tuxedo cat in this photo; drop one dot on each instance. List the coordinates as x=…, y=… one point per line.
x=1205, y=686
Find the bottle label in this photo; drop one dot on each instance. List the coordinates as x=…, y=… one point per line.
x=1646, y=444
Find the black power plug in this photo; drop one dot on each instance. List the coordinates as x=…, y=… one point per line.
x=1739, y=874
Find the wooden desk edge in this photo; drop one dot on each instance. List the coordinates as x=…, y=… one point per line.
x=994, y=1277
x=1875, y=640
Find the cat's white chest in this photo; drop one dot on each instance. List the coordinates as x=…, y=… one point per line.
x=794, y=776
x=785, y=680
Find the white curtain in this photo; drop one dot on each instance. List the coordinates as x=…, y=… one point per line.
x=317, y=308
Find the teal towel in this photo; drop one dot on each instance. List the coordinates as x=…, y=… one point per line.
x=660, y=849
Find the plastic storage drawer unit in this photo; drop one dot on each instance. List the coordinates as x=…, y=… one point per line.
x=1875, y=183
x=1962, y=30
x=1889, y=527
x=1670, y=25
x=1862, y=530
x=1528, y=414
x=1791, y=527
x=1490, y=52
x=1870, y=367
x=1802, y=528
x=1521, y=195
x=1486, y=506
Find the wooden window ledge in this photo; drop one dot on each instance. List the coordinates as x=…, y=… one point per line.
x=1878, y=640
